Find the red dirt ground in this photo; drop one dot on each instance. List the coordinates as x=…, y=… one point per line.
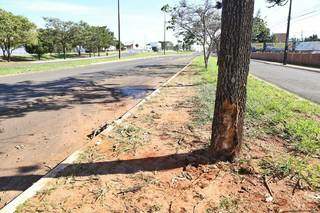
x=157, y=162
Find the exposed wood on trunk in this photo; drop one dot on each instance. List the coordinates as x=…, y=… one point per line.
x=234, y=59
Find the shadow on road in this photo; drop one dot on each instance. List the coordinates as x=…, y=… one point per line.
x=88, y=88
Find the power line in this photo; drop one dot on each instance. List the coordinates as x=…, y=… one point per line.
x=313, y=10
x=304, y=18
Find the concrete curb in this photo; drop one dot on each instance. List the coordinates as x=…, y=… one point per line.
x=310, y=69
x=37, y=186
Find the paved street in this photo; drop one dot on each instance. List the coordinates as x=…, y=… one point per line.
x=301, y=82
x=46, y=116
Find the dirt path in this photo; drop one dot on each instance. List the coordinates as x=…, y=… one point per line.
x=157, y=162
x=45, y=117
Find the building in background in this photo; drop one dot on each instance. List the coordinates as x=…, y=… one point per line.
x=310, y=46
x=279, y=37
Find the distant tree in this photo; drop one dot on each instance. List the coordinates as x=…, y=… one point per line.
x=47, y=39
x=314, y=37
x=15, y=31
x=168, y=45
x=202, y=21
x=40, y=46
x=260, y=30
x=98, y=39
x=137, y=45
x=188, y=41
x=82, y=36
x=103, y=38
x=63, y=32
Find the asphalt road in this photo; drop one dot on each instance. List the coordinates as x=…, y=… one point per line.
x=304, y=83
x=46, y=116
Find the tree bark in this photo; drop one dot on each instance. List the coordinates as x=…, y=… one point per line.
x=234, y=60
x=8, y=56
x=64, y=52
x=8, y=47
x=205, y=56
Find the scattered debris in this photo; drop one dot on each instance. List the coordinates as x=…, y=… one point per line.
x=269, y=198
x=133, y=189
x=19, y=147
x=265, y=181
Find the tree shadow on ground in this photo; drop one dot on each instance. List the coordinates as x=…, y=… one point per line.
x=160, y=163
x=87, y=88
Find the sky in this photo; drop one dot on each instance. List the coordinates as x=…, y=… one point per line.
x=142, y=20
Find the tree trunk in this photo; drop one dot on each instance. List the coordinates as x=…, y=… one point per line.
x=205, y=56
x=64, y=52
x=234, y=60
x=8, y=47
x=203, y=19
x=8, y=55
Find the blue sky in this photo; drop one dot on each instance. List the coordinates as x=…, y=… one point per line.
x=142, y=20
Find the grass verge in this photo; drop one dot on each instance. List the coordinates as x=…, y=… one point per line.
x=272, y=112
x=269, y=111
x=25, y=67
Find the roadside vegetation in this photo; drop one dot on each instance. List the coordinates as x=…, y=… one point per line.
x=274, y=114
x=52, y=56
x=57, y=36
x=25, y=67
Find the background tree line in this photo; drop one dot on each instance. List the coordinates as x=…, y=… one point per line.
x=56, y=37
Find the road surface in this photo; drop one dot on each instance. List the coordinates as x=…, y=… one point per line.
x=301, y=82
x=46, y=116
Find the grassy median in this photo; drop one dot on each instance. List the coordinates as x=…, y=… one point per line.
x=25, y=67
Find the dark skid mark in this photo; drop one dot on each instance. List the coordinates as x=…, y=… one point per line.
x=135, y=92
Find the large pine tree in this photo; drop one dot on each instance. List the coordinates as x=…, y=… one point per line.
x=234, y=60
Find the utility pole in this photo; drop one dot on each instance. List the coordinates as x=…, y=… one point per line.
x=286, y=49
x=119, y=33
x=164, y=33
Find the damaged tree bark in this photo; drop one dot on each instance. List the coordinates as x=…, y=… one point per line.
x=234, y=59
